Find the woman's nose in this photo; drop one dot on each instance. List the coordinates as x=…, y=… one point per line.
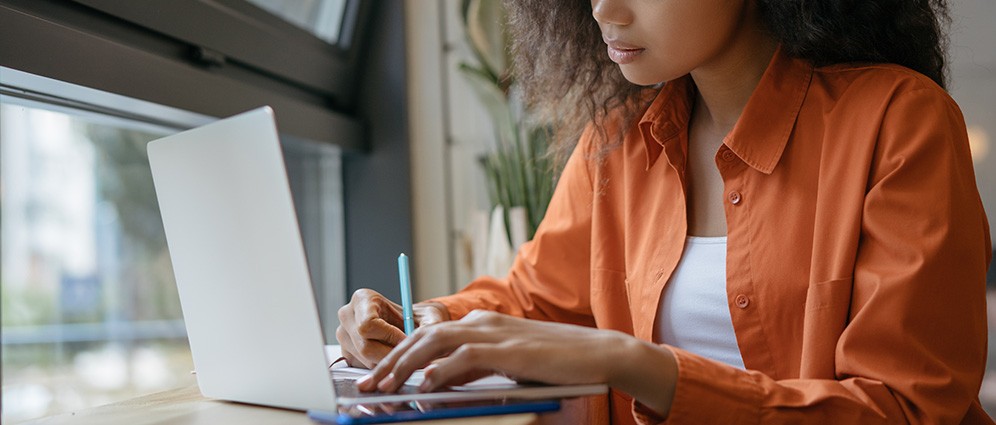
x=611, y=12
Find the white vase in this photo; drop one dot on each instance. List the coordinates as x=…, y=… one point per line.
x=499, y=254
x=490, y=252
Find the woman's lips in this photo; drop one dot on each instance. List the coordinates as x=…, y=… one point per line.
x=621, y=53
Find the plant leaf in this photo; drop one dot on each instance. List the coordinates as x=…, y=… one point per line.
x=494, y=101
x=484, y=23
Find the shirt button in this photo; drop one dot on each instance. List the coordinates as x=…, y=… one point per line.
x=742, y=301
x=735, y=198
x=728, y=155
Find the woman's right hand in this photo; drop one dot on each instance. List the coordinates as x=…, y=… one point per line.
x=371, y=325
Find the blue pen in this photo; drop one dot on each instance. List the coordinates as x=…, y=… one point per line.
x=406, y=293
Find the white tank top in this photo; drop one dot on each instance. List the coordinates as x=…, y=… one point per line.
x=694, y=313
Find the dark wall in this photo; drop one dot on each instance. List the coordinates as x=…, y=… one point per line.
x=377, y=184
x=991, y=278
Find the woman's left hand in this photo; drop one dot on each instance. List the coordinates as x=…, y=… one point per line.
x=484, y=343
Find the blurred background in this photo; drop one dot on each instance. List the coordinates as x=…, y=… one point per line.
x=393, y=122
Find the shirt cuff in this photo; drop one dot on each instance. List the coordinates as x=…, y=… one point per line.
x=454, y=304
x=707, y=391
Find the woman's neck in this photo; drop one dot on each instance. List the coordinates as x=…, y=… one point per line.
x=726, y=83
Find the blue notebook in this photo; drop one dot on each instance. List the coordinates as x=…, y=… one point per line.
x=378, y=413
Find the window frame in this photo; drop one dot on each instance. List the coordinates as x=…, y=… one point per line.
x=213, y=57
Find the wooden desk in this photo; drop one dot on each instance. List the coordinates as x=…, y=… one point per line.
x=186, y=406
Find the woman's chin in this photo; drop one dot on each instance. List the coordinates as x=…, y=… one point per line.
x=643, y=78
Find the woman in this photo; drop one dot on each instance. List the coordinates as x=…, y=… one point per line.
x=786, y=230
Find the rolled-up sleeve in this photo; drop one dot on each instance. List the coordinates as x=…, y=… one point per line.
x=549, y=279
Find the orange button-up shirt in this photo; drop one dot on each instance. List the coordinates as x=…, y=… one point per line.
x=857, y=250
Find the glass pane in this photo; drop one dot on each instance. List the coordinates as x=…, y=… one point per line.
x=314, y=171
x=90, y=313
x=323, y=18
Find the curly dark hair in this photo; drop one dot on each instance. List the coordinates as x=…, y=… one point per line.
x=565, y=75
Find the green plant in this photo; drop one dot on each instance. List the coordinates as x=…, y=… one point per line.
x=520, y=172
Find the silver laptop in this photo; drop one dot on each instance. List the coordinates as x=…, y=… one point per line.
x=242, y=277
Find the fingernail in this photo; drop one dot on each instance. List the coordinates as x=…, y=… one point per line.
x=429, y=370
x=387, y=384
x=362, y=382
x=425, y=386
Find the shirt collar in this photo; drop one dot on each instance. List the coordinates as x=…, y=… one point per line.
x=667, y=116
x=763, y=130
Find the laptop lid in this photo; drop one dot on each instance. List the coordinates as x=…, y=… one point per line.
x=239, y=263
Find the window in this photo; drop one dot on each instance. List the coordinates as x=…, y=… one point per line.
x=90, y=313
x=323, y=18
